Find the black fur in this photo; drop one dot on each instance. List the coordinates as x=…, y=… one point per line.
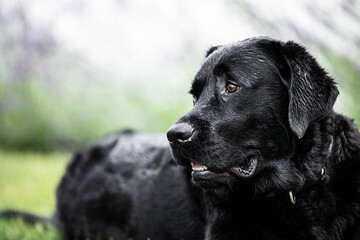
x=279, y=118
x=128, y=187
x=211, y=50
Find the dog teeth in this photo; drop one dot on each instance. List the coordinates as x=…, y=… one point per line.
x=198, y=168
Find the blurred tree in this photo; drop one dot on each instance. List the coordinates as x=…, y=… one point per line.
x=52, y=98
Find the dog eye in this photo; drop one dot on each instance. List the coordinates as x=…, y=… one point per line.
x=230, y=88
x=194, y=100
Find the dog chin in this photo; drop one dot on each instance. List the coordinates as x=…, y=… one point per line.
x=212, y=181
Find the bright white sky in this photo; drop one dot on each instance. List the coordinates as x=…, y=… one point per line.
x=121, y=35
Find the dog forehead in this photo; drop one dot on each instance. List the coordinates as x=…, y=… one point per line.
x=247, y=57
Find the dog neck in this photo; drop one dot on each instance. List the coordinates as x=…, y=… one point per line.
x=316, y=150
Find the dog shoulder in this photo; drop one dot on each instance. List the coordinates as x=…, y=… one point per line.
x=346, y=146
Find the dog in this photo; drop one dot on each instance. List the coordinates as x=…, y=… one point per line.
x=261, y=155
x=273, y=159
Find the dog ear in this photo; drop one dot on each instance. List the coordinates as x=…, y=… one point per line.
x=211, y=50
x=312, y=93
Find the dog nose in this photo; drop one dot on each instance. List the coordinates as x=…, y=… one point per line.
x=180, y=132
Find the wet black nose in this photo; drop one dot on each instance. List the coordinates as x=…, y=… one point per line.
x=180, y=132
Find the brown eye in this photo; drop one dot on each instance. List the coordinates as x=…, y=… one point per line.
x=230, y=88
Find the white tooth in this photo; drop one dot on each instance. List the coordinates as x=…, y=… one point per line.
x=198, y=169
x=192, y=164
x=202, y=168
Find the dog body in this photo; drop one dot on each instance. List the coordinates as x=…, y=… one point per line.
x=270, y=159
x=128, y=187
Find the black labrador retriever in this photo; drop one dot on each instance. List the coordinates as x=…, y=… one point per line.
x=262, y=155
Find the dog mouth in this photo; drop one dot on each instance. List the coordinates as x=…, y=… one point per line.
x=246, y=170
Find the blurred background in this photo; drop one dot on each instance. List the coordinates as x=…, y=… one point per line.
x=74, y=71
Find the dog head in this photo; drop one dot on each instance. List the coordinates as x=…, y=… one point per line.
x=252, y=100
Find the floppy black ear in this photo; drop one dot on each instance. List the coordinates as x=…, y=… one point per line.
x=312, y=93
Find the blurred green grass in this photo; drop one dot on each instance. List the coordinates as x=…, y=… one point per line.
x=28, y=182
